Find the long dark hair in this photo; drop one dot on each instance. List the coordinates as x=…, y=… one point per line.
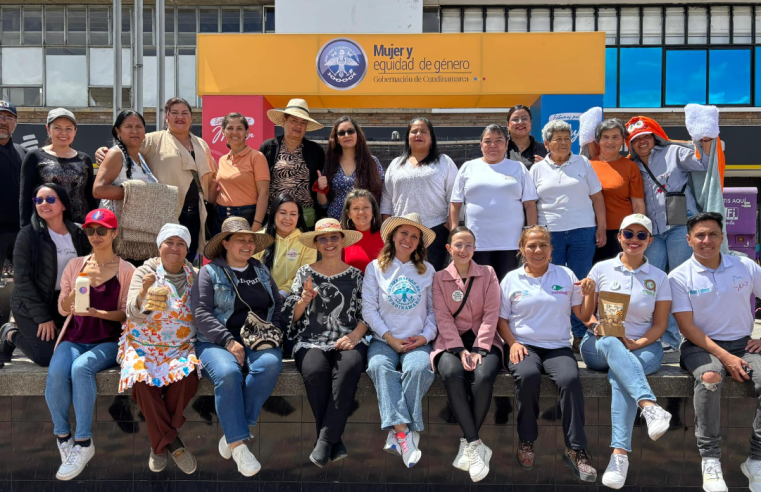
x=269, y=254
x=433, y=152
x=63, y=195
x=366, y=175
x=347, y=223
x=127, y=161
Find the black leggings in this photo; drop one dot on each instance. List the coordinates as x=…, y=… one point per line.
x=437, y=251
x=501, y=261
x=40, y=352
x=331, y=378
x=469, y=392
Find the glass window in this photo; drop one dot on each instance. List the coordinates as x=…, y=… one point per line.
x=741, y=25
x=685, y=77
x=540, y=20
x=32, y=25
x=186, y=77
x=517, y=20
x=66, y=77
x=269, y=19
x=230, y=20
x=252, y=19
x=640, y=78
x=99, y=24
x=562, y=20
x=675, y=25
x=54, y=25
x=758, y=25
x=209, y=20
x=23, y=96
x=585, y=20
x=629, y=26
x=104, y=97
x=450, y=20
x=126, y=26
x=697, y=25
x=21, y=66
x=495, y=20
x=606, y=21
x=186, y=27
x=758, y=77
x=474, y=20
x=102, y=67
x=11, y=26
x=611, y=78
x=148, y=21
x=719, y=25
x=652, y=24
x=729, y=77
x=169, y=26
x=76, y=24
x=430, y=19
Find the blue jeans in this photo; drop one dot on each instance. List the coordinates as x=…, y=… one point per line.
x=248, y=212
x=239, y=397
x=668, y=251
x=575, y=249
x=71, y=378
x=626, y=375
x=400, y=394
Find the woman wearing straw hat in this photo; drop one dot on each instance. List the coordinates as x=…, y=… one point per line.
x=324, y=318
x=295, y=163
x=397, y=304
x=228, y=290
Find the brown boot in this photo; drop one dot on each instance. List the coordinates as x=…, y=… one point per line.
x=577, y=345
x=580, y=463
x=526, y=455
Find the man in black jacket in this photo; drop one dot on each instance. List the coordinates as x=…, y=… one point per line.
x=11, y=155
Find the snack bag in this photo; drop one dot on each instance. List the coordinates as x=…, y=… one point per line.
x=611, y=309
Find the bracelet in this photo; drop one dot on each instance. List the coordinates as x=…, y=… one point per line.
x=258, y=222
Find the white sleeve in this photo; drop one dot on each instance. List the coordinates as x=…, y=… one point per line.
x=505, y=306
x=592, y=180
x=576, y=296
x=450, y=176
x=755, y=275
x=680, y=297
x=529, y=190
x=594, y=274
x=371, y=301
x=430, y=328
x=458, y=191
x=387, y=197
x=663, y=291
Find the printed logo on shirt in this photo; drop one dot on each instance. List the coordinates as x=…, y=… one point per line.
x=248, y=282
x=558, y=290
x=404, y=293
x=739, y=282
x=292, y=255
x=521, y=294
x=650, y=287
x=697, y=292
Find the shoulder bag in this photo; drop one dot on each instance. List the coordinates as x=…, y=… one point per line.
x=256, y=333
x=676, y=202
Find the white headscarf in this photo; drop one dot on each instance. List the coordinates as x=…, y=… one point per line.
x=169, y=230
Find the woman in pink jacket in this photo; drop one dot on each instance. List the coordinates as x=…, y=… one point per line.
x=468, y=351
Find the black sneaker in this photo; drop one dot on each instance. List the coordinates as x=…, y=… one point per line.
x=338, y=451
x=6, y=347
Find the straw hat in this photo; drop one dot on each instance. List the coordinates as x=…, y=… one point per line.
x=214, y=247
x=412, y=219
x=325, y=226
x=296, y=107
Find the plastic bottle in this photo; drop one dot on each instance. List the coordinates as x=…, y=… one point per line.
x=82, y=297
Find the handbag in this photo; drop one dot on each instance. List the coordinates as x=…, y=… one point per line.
x=464, y=299
x=676, y=202
x=256, y=333
x=211, y=209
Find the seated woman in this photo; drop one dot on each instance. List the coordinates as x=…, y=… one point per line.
x=362, y=213
x=87, y=343
x=42, y=251
x=397, y=304
x=324, y=316
x=229, y=289
x=630, y=359
x=467, y=352
x=535, y=321
x=157, y=347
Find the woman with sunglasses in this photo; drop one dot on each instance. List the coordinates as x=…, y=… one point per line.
x=88, y=342
x=348, y=165
x=42, y=251
x=630, y=359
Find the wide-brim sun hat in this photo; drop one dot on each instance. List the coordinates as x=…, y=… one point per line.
x=326, y=226
x=233, y=225
x=296, y=107
x=412, y=219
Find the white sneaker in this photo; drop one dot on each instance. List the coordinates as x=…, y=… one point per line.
x=461, y=462
x=410, y=453
x=75, y=462
x=224, y=449
x=392, y=445
x=65, y=447
x=478, y=455
x=248, y=466
x=752, y=470
x=713, y=479
x=657, y=420
x=615, y=475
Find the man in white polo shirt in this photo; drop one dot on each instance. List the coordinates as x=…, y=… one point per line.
x=711, y=295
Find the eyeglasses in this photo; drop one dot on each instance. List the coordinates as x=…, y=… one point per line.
x=467, y=247
x=523, y=119
x=8, y=118
x=101, y=231
x=641, y=235
x=342, y=133
x=49, y=199
x=330, y=239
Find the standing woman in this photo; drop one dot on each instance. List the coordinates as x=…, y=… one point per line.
x=348, y=166
x=88, y=343
x=230, y=289
x=496, y=191
x=243, y=177
x=621, y=184
x=324, y=313
x=361, y=213
x=397, y=304
x=522, y=146
x=535, y=321
x=60, y=164
x=467, y=352
x=421, y=181
x=42, y=251
x=630, y=359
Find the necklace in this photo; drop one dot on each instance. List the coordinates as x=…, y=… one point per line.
x=93, y=261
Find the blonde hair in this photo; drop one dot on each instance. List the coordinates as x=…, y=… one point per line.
x=537, y=229
x=388, y=253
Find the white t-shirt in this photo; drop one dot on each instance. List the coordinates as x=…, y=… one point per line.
x=493, y=195
x=539, y=309
x=646, y=285
x=564, y=191
x=65, y=252
x=720, y=300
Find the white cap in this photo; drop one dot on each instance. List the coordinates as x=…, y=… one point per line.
x=637, y=219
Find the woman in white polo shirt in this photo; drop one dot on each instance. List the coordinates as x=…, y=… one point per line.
x=495, y=191
x=535, y=321
x=570, y=205
x=630, y=359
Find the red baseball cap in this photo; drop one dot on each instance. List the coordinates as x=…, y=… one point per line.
x=101, y=217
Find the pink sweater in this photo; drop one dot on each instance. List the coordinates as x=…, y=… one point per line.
x=480, y=314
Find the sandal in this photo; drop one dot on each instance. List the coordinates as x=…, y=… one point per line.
x=526, y=455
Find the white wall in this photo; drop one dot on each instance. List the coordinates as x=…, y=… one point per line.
x=349, y=16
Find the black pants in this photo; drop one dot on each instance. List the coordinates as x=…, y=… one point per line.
x=501, y=261
x=331, y=378
x=7, y=242
x=437, y=251
x=563, y=369
x=190, y=217
x=40, y=352
x=469, y=392
x=611, y=249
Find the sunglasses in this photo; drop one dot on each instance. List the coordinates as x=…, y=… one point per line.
x=641, y=235
x=101, y=231
x=332, y=239
x=342, y=133
x=39, y=201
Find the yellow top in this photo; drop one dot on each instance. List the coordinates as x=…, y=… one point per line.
x=290, y=255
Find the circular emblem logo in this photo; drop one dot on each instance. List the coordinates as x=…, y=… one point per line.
x=457, y=296
x=292, y=255
x=404, y=293
x=615, y=285
x=342, y=64
x=650, y=284
x=98, y=215
x=83, y=290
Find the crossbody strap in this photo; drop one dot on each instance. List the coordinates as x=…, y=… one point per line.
x=658, y=183
x=236, y=289
x=198, y=183
x=465, y=298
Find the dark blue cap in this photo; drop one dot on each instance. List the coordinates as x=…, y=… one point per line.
x=8, y=106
